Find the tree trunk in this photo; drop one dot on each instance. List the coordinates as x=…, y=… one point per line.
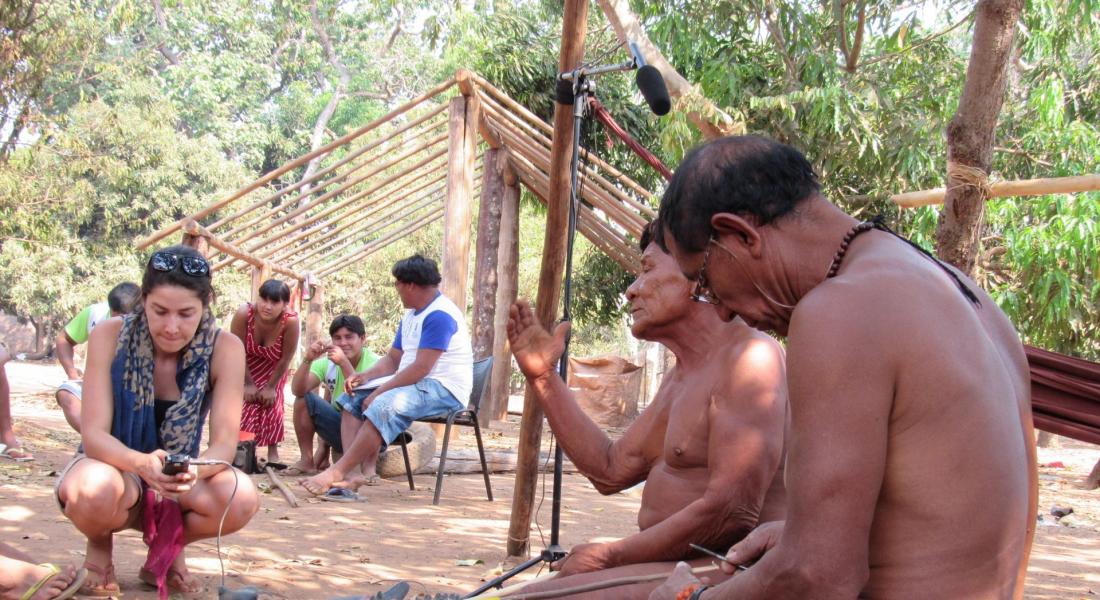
x=971, y=133
x=340, y=90
x=488, y=239
x=495, y=404
x=707, y=117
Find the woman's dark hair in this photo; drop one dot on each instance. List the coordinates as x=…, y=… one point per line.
x=750, y=176
x=275, y=291
x=124, y=297
x=350, y=322
x=418, y=270
x=180, y=275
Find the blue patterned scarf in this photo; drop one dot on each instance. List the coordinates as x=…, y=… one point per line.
x=134, y=420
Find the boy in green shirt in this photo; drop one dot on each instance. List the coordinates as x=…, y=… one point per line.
x=326, y=365
x=121, y=300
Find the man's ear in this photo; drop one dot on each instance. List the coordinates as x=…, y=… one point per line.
x=743, y=230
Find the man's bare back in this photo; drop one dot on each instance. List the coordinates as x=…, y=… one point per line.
x=954, y=436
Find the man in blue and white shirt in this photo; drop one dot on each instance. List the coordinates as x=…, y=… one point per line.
x=428, y=371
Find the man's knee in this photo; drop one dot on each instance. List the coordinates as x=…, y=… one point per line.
x=67, y=399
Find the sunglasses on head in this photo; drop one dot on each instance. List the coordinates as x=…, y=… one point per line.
x=194, y=266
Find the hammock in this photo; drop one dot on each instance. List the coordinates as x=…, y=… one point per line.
x=1065, y=394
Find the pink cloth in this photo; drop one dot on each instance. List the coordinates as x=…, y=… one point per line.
x=163, y=533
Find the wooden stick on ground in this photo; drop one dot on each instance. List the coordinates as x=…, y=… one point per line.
x=291, y=499
x=518, y=594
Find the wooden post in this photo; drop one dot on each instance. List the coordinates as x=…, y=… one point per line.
x=574, y=28
x=485, y=269
x=198, y=243
x=259, y=276
x=315, y=319
x=494, y=406
x=462, y=142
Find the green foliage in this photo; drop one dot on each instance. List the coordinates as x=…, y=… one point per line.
x=120, y=117
x=879, y=129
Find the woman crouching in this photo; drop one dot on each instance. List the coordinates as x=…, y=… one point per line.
x=151, y=379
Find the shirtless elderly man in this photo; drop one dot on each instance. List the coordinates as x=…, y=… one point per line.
x=708, y=446
x=911, y=467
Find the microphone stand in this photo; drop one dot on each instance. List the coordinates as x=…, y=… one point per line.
x=582, y=88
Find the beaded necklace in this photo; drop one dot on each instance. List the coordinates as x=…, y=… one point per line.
x=853, y=233
x=878, y=222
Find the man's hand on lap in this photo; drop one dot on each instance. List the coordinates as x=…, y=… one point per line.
x=585, y=558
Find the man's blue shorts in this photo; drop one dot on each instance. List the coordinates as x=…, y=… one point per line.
x=326, y=420
x=393, y=411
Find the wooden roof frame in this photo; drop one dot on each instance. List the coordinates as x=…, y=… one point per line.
x=384, y=178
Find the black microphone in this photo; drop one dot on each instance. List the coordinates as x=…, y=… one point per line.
x=649, y=82
x=653, y=89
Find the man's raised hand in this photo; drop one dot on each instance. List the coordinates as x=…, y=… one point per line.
x=536, y=351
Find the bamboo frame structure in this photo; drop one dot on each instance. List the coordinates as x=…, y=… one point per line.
x=387, y=179
x=298, y=162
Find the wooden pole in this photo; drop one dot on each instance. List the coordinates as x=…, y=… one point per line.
x=356, y=232
x=488, y=237
x=192, y=227
x=393, y=236
x=494, y=406
x=393, y=218
x=260, y=274
x=1000, y=189
x=294, y=164
x=328, y=195
x=301, y=202
x=457, y=214
x=315, y=319
x=518, y=110
x=268, y=200
x=197, y=242
x=574, y=28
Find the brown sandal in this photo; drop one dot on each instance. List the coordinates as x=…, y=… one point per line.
x=175, y=581
x=105, y=588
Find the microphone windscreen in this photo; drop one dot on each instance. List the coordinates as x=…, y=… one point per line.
x=653, y=89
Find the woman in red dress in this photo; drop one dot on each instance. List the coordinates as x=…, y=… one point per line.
x=269, y=331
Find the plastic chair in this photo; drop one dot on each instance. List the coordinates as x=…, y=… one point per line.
x=466, y=417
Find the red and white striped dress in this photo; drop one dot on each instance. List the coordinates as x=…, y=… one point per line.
x=266, y=423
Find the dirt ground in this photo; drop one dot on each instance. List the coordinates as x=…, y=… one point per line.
x=324, y=550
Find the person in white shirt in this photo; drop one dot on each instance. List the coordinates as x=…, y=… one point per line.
x=428, y=371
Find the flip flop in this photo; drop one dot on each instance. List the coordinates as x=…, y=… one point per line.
x=55, y=570
x=175, y=578
x=337, y=494
x=16, y=453
x=296, y=471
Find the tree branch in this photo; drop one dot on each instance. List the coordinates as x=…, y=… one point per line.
x=706, y=116
x=769, y=17
x=162, y=45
